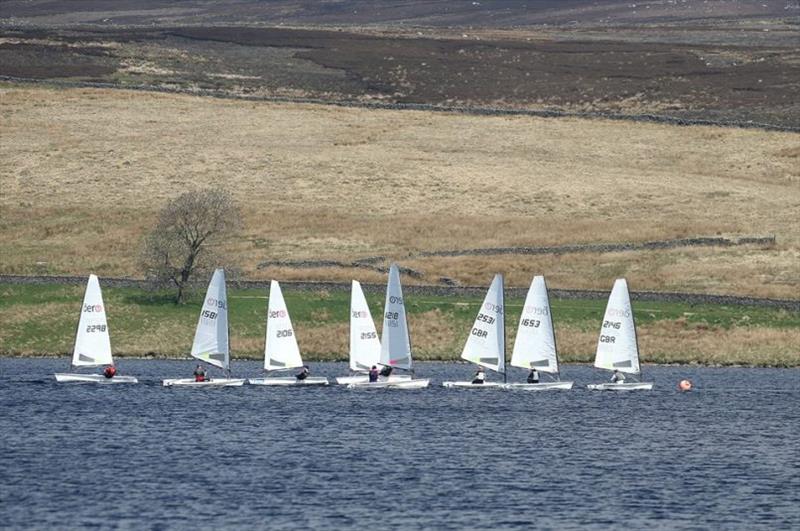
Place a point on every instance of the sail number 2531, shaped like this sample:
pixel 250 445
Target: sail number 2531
pixel 485 318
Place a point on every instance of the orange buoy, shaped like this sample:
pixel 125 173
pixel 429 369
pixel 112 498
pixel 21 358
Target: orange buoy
pixel 685 385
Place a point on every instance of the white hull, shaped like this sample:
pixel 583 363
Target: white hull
pixel 470 385
pixel 542 386
pixel 363 378
pixel 409 383
pixel 93 378
pixel 288 382
pixel 632 386
pixel 215 382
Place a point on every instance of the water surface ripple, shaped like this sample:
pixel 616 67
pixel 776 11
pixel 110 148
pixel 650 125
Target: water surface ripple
pixel 722 456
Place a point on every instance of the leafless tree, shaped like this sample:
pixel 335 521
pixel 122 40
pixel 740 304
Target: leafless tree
pixel 185 242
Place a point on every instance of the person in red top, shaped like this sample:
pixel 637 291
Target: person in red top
pixel 199 374
pixel 110 371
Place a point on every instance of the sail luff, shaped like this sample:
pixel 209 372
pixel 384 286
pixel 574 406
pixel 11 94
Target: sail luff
pixel 502 368
pixel 557 368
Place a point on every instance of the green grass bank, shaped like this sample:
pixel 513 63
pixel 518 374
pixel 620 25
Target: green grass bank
pixel 40 320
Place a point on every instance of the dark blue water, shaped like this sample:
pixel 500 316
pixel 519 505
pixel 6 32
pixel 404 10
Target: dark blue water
pixel 725 455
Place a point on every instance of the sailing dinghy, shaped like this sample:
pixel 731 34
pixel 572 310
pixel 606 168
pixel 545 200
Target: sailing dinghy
pixel 486 344
pixel 365 347
pixel 92 342
pixel 535 344
pixel 211 343
pixel 281 352
pixel 617 348
pixel 395 343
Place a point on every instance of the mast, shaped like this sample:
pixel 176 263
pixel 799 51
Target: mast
pixel 72 366
pixel 408 333
pixel 228 370
pixel 503 304
pixel 635 336
pixel 553 328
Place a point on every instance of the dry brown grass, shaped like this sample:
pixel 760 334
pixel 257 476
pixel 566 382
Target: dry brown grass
pixel 83 173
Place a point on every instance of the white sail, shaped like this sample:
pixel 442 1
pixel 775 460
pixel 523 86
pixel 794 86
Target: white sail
pixel 535 345
pixel 211 337
pixel 617 347
pixel 365 347
pixel 395 343
pixel 486 344
pixel 92 342
pixel 280 348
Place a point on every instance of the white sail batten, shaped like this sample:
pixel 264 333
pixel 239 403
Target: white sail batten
pixel 395 343
pixel 535 344
pixel 617 348
pixel 485 345
pixel 211 337
pixel 280 348
pixel 92 342
pixel 365 347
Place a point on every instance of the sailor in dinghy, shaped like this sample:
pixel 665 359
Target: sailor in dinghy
pixel 92 342
pixel 486 343
pixel 535 344
pixel 365 347
pixel 617 348
pixel 281 352
pixel 211 338
pixel 395 343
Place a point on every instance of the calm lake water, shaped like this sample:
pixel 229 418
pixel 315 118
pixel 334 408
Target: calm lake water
pixel 725 455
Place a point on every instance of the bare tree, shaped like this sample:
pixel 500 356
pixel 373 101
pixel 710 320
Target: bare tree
pixel 185 241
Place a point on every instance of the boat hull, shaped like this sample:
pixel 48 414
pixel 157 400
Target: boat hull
pixel 94 378
pixel 632 386
pixel 288 382
pixel 215 382
pixel 363 378
pixel 542 386
pixel 470 385
pixel 410 383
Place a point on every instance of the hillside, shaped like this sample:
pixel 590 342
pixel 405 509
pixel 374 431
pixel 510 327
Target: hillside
pixel 321 182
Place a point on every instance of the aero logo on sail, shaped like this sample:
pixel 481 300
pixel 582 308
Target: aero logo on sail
pixel 215 303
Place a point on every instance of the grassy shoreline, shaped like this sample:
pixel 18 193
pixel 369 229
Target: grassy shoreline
pixel 39 321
